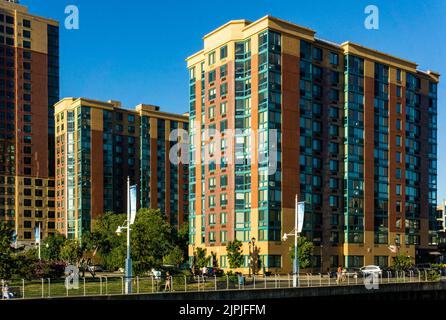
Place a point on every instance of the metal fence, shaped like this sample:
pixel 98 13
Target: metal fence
pixel 99 286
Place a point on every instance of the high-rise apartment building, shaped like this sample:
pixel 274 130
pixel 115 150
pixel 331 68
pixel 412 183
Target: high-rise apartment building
pixel 356 140
pixel 100 144
pixel 29 87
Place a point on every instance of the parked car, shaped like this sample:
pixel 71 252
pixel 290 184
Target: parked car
pixel 369 270
pixel 96 268
pixel 353 273
pixel 214 272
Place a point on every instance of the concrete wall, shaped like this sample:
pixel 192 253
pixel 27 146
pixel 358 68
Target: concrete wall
pixel 412 291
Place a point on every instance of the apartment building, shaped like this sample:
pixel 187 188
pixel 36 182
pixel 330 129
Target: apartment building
pixel 29 87
pixel 98 145
pixel 356 141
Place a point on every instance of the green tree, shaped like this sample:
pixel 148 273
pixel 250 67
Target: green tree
pixel 304 252
pixel 183 238
pixel 201 258
pixel 71 252
pixel 51 247
pixel 152 239
pixel 6 251
pixel 235 254
pixel 107 244
pixel 175 257
pixel 402 262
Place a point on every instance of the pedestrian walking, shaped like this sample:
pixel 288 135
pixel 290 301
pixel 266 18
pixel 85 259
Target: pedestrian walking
pixel 339 275
pixel 6 295
pixel 168 285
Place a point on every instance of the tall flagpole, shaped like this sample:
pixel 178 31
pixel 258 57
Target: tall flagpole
pixel 128 262
pixel 40 240
pixel 296 258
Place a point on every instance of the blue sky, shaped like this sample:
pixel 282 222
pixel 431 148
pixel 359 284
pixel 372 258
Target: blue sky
pixel 134 51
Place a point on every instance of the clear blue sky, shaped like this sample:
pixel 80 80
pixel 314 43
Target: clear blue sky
pixel 134 51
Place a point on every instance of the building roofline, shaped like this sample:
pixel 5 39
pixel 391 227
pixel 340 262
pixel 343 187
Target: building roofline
pixel 240 21
pixel 380 53
pixel 147 109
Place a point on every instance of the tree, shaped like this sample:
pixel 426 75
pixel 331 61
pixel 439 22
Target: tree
pixel 6 251
pixel 152 239
pixel 235 254
pixel 51 247
pixel 175 257
pixel 183 238
pixel 201 258
pixel 304 252
pixel 71 252
pixel 107 244
pixel 402 262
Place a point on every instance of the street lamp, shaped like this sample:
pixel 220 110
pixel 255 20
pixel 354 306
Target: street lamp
pixel 322 258
pixel 295 233
pixel 119 231
pixel 251 252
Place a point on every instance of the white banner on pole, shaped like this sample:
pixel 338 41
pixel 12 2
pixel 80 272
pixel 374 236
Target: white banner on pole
pixel 133 197
pixel 300 216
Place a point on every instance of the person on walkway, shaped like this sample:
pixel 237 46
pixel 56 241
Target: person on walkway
pixel 339 275
pixel 168 285
pixel 5 292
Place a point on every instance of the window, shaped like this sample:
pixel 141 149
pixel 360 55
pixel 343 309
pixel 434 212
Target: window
pixel 212 236
pixel 223 218
pixel 398 91
pixel 398 74
pixel 223 199
pixel 212 94
pixel 223 181
pixel 398 190
pixel 212 166
pixel 317 54
pixel 212 219
pixel 211 200
pixel 334 165
pixel 224 52
pixel 334 58
pixel 223 239
pixel 192 73
pixel 223 71
pixel 212 183
pixel 211 76
pixel 223 108
pixel 211 58
pixel 223 89
pixel 223 126
pixel 398 173
pixel 211 112
pixel 398 157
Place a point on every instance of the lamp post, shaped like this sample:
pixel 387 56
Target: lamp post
pixel 251 244
pixel 322 258
pixel 128 260
pixel 295 234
